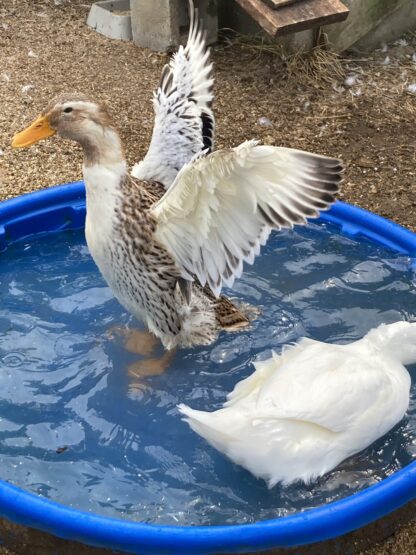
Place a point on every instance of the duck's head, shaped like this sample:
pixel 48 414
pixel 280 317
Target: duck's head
pixel 74 117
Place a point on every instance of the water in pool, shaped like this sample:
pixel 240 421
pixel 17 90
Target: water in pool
pixel 80 426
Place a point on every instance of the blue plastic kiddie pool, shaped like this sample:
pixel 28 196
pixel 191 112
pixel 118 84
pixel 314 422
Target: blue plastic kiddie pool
pixel 63 208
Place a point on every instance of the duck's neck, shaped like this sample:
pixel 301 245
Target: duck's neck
pixel 104 165
pixel 104 169
pixel 102 148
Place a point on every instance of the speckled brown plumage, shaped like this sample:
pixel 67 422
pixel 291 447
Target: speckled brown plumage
pixel 228 316
pixel 145 275
pixel 137 249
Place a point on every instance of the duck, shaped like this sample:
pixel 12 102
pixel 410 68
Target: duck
pixel 168 239
pixel 304 411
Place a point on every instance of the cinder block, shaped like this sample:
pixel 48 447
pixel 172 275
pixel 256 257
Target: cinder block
pixel 163 24
pixel 111 18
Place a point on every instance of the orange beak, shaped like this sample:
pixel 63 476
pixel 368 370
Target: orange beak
pixel 39 129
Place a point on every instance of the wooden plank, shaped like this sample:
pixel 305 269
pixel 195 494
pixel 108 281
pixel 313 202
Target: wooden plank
pixel 365 15
pixel 275 4
pixel 302 15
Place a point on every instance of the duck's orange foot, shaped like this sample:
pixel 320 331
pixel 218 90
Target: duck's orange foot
pixel 139 342
pixel 151 366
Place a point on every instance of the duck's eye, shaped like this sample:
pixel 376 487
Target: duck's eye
pixel 68 110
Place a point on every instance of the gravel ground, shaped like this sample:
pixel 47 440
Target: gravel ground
pixel 361 108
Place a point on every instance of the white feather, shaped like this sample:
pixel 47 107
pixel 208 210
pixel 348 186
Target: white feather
pixel 222 207
pixel 302 413
pixel 182 100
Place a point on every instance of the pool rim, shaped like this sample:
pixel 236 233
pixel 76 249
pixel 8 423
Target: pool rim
pixel 65 207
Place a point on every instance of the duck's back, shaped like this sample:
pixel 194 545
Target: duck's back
pixel 339 387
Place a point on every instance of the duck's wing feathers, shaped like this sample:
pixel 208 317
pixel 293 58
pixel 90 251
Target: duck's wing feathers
pixel 222 206
pixel 252 384
pixel 184 120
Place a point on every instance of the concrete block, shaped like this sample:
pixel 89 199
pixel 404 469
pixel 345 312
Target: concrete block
pixel 163 24
pixel 111 18
pixel 155 24
pixel 366 16
pixel 391 28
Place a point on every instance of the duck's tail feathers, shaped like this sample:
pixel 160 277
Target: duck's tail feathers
pixel 203 423
pixel 229 316
pixel 398 340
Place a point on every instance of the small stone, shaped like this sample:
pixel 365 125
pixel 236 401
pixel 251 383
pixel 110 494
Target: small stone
pixel 27 88
pixel 412 88
pixel 32 54
pixel 401 42
pixel 364 163
pixel 264 122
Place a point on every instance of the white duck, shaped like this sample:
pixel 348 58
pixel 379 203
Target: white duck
pixel 303 412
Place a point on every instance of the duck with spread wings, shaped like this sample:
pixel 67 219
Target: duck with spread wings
pixel 168 240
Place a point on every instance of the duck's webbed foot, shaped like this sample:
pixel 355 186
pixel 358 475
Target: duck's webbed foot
pixel 151 366
pixel 139 342
pixel 146 345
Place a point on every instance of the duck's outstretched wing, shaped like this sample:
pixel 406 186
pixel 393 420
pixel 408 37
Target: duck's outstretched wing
pixel 184 120
pixel 222 206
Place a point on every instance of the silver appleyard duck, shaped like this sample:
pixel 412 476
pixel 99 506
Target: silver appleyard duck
pixel 168 241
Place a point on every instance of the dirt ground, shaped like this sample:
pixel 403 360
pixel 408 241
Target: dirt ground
pixel 361 108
